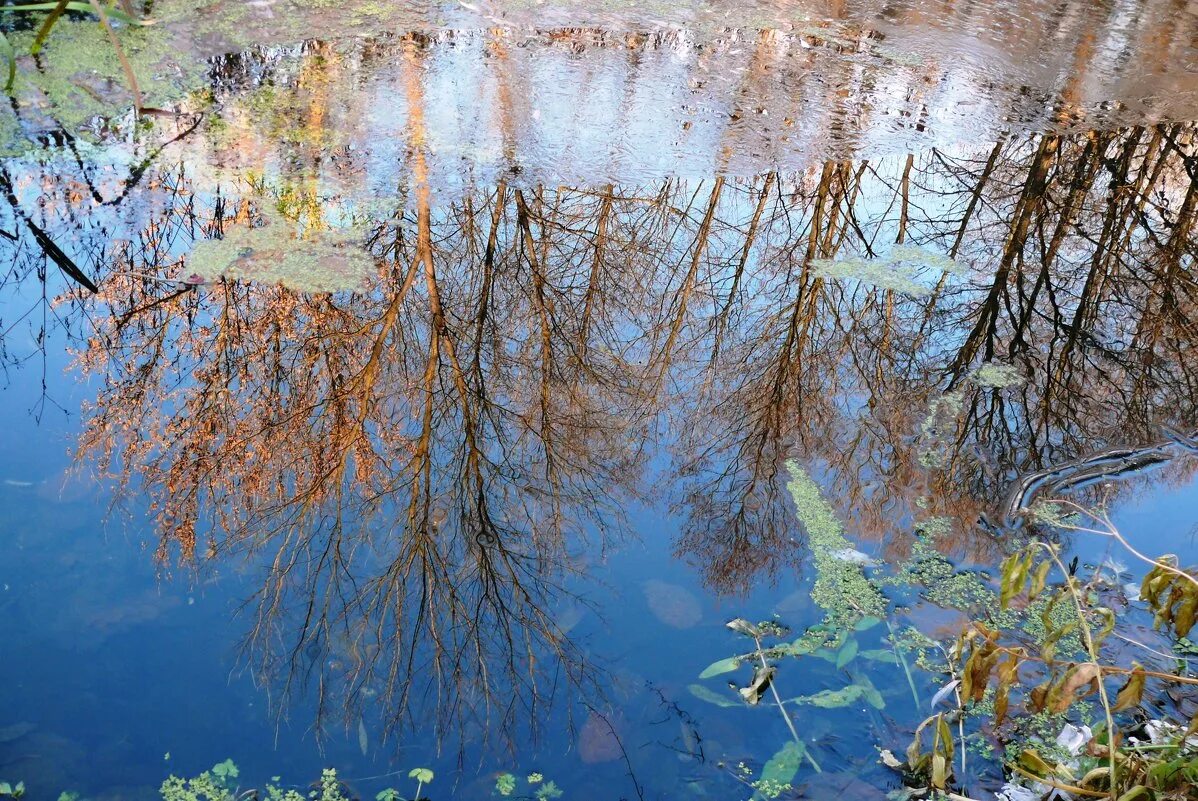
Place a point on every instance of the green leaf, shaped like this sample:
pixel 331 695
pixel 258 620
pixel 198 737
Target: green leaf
pixel 422 775
pixel 831 699
pixel 1134 793
pixel 870 693
pixel 704 694
pixel 847 653
pixel 719 667
pixel 879 655
pixel 5 788
pixel 866 623
pixel 782 766
pixel 10 56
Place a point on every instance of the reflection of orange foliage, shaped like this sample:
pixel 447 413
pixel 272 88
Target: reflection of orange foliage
pixel 449 430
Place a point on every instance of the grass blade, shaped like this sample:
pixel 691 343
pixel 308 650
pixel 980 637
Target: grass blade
pixel 9 55
pixel 120 54
pixel 44 30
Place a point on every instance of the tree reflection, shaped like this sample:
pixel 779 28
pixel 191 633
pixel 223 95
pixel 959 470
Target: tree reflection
pixel 416 465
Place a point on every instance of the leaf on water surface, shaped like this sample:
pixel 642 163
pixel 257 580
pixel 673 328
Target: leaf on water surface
pixel 422 775
pixel 847 653
pixel 870 693
pixel 867 623
pixel 720 667
pixel 762 676
pixel 363 740
pixel 710 696
pixel 781 768
pixel 826 654
pixel 742 626
pixel 832 699
pixel 672 605
pixel 879 655
pixel 226 772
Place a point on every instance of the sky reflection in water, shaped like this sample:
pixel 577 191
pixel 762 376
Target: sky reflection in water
pixel 514 479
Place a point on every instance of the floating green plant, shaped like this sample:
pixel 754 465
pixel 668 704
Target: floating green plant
pixel 535 786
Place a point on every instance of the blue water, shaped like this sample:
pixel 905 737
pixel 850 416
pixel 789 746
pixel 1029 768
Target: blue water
pixel 661 380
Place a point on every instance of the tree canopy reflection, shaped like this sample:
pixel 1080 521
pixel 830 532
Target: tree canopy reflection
pixel 422 465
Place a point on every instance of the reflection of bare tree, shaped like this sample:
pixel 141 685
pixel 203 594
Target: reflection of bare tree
pixel 412 464
pixel 1076 245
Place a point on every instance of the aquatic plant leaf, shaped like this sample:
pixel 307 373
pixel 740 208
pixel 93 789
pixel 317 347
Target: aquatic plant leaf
pixel 1082 677
pixel 10 58
pixel 15 731
pixel 422 775
pixel 832 699
pixel 363 740
pixel 866 623
pixel 762 676
pixel 505 784
pixel 1131 693
pixel 847 653
pixel 742 626
pixel 879 655
pixel 548 790
pixel 1033 762
pixel 1172 594
pixel 779 771
pixel 710 696
pixel 870 694
pixel 1008 675
pixel 720 667
pixel 1108 624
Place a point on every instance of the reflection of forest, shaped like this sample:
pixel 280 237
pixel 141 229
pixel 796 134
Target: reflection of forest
pixel 588 105
pixel 414 462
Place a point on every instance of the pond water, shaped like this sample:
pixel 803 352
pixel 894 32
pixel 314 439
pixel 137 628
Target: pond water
pixel 421 385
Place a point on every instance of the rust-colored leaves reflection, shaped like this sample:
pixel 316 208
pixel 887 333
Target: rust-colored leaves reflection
pixel 418 468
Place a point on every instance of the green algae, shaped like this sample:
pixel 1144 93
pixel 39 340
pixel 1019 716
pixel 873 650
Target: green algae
pixel 273 253
pixel 841 587
pixel 943 414
pixel 902 270
pixel 998 376
pixel 78 80
pixel 942 583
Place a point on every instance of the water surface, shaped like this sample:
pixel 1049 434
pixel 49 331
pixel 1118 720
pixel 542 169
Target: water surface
pixel 447 366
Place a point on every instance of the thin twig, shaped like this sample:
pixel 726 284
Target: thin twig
pixel 120 54
pixel 782 710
